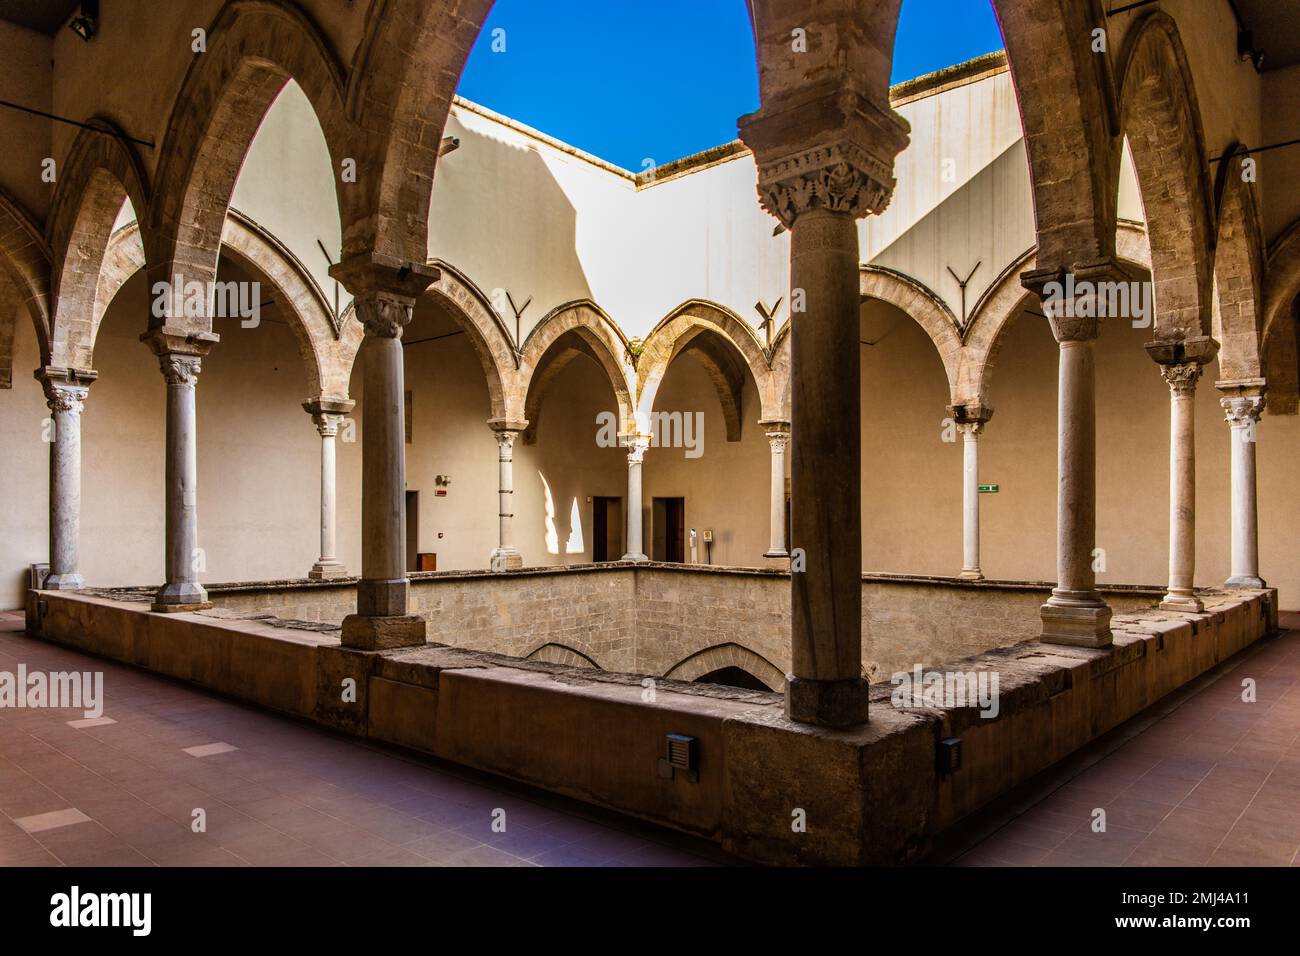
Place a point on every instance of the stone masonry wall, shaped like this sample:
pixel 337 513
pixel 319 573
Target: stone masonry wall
pixel 681 620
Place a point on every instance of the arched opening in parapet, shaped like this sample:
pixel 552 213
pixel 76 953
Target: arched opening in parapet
pixel 732 677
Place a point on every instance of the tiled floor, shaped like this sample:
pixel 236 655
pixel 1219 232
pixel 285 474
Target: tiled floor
pixel 1216 782
pixel 272 791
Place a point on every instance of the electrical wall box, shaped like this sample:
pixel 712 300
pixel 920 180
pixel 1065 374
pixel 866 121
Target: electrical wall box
pixel 681 753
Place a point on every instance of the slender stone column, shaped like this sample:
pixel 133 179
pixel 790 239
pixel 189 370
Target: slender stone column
pixel 1243 404
pixel 180 359
pixel 970 422
pixel 328 415
pixel 1180 363
pixel 825 156
pixel 636 447
pixel 778 437
pixel 384 295
pixel 65 393
pixel 1075 614
pixel 506 555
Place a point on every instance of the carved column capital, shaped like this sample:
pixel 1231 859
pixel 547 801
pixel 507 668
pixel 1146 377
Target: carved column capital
pixel 1181 378
pixel 384 315
pixel 778 440
pixel 636 447
pixel 328 414
pixel 65 388
pixel 505 442
pixel 974 414
pixel 1181 360
pixel 180 371
pixel 1075 297
pixel 384 290
pixel 825 147
pixel 1242 411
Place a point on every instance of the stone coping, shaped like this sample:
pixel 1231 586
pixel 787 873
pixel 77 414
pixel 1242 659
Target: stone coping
pixel 144 593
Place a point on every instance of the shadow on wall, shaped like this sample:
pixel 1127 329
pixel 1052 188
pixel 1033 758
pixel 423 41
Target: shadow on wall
pixel 531 254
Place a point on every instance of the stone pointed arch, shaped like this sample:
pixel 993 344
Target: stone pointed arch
pixel 725 345
pixel 924 307
pixel 554 653
pixel 1005 299
pixel 473 311
pixel 25 265
pixel 727 655
pixel 99 175
pixel 1238 271
pixel 255 48
pixel 1161 118
pixel 993 312
pixel 327 353
pixel 1070 115
pixel 1281 354
pixel 407 69
pixel 327 350
pixel 576 328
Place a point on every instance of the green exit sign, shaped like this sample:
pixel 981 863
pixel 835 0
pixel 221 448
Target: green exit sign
pixel 988 489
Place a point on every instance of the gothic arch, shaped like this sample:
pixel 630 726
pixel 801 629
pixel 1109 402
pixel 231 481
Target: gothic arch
pixel 100 173
pixel 407 68
pixel 727 655
pixel 327 355
pixel 1281 358
pixel 725 345
pixel 25 264
pixel 1070 115
pixel 573 329
pixel 554 653
pixel 1160 116
pixel 1003 301
pixel 488 334
pixel 255 48
pixel 1238 271
pixel 924 307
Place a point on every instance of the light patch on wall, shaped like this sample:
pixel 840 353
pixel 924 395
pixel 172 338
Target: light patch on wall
pixel 552 536
pixel 575 545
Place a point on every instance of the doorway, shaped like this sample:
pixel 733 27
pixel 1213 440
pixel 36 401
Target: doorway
pixel 606 528
pixel 668 516
pixel 412 530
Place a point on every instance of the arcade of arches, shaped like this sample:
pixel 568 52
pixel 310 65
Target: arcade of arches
pixel 583 426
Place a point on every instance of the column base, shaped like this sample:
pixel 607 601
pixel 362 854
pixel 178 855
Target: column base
pixel 506 559
pixel 327 569
pixel 1182 601
pixel 777 553
pixel 827 703
pixel 971 574
pixel 64 582
pixel 367 633
pixel 180 596
pixel 1079 621
pixel 1244 581
pixel 634 557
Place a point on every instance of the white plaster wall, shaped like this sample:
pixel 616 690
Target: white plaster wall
pixel 24 469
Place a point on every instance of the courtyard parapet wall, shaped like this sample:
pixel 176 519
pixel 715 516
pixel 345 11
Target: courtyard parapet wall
pixel 654 618
pixel 874 794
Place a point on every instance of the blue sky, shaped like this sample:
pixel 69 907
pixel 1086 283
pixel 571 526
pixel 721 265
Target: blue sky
pixel 634 82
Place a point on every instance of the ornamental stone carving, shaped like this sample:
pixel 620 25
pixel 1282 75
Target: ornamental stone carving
pixel 1182 378
pixel 1242 411
pixel 180 371
pixel 384 314
pixel 837 177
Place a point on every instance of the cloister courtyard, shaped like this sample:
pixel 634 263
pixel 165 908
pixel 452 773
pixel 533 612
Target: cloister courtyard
pixel 905 476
